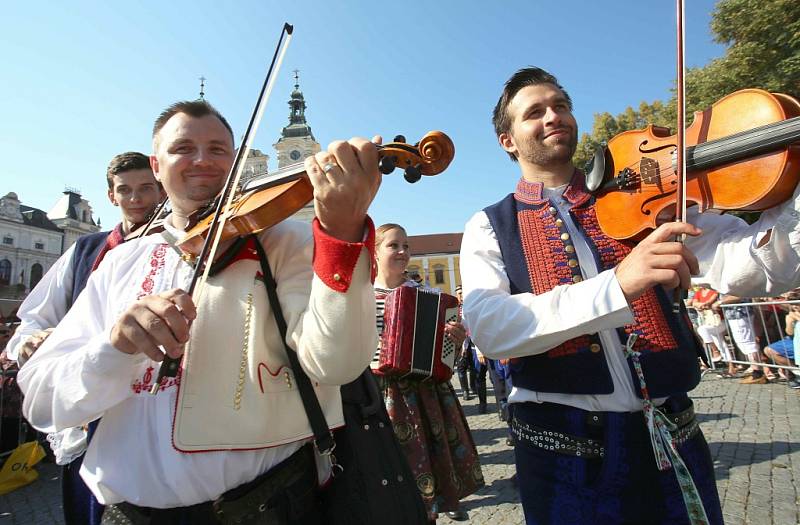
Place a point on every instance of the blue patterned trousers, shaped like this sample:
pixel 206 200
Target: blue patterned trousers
pixel 622 487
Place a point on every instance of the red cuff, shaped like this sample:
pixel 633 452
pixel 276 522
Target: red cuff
pixel 335 260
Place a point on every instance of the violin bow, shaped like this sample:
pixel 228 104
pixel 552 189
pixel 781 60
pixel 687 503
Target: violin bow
pixel 169 367
pixel 680 161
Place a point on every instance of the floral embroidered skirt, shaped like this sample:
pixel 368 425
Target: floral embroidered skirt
pixel 431 427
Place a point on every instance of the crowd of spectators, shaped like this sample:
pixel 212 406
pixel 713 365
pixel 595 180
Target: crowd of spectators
pixel 744 339
pixel 13 428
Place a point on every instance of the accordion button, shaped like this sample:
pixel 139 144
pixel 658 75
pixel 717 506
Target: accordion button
pixel 384 482
pixel 569 248
pixel 337 277
pixel 594 347
pixel 577 279
pixel 572 263
pixel 564 236
pixel 552 210
pixel 559 223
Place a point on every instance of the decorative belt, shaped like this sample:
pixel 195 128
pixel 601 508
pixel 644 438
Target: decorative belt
pixel 684 433
pixel 556 441
pixel 686 427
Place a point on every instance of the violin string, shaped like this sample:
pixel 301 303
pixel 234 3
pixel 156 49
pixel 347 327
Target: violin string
pixel 772 132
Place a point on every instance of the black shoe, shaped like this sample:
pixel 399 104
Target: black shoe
pixel 466 395
pixel 509 441
pixel 482 408
pixel 793 383
pixel 458 515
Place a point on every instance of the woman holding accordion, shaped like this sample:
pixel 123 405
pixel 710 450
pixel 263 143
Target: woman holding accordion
pixel 426 415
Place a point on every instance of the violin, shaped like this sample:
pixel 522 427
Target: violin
pixel 269 200
pixel 742 153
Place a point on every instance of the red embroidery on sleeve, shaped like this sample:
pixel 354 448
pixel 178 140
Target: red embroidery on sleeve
pixel 144 384
pixel 156 264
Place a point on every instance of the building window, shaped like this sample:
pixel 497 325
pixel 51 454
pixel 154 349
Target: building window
pixel 7 239
pixel 38 245
pixel 36 274
pixel 438 274
pixel 5 271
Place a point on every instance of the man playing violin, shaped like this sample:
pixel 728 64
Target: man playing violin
pixel 229 432
pixel 586 319
pixel 132 187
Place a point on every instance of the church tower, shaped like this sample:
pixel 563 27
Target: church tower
pixel 297 141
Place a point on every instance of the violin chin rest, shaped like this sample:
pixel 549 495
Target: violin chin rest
pixel 595 170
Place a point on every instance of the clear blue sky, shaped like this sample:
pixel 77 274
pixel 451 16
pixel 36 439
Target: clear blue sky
pixel 83 81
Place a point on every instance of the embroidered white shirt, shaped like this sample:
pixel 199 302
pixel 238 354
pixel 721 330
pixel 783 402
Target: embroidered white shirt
pixel 78 376
pixel 46 305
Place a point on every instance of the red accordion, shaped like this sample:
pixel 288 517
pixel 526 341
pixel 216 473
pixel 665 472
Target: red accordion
pixel 413 342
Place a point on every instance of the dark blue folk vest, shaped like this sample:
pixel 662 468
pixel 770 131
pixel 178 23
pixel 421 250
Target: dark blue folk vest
pixel 87 248
pixel 539 255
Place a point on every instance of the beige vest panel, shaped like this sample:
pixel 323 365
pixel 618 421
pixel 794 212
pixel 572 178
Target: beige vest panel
pixel 237 390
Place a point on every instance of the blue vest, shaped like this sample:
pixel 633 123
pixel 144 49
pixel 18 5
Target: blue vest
pixel 87 248
pixel 578 366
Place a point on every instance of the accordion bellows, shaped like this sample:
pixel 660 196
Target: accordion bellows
pixel 413 343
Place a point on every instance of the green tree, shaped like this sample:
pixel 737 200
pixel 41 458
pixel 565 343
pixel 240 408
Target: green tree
pixel 763 51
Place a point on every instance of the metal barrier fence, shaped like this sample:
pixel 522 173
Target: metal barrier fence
pixel 754 313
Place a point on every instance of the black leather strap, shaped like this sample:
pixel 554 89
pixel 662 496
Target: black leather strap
pixel 323 438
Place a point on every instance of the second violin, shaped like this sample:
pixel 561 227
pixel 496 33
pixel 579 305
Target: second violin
pixel 742 154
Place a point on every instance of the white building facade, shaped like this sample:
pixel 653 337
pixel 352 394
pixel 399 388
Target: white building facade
pixel 29 243
pixel 73 214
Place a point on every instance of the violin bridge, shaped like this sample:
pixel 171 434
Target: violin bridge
pixel 649 170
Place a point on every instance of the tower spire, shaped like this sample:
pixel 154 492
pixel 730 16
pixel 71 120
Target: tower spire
pixel 202 87
pixel 296 141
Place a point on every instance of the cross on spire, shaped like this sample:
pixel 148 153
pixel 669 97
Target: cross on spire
pixel 202 86
pixel 296 79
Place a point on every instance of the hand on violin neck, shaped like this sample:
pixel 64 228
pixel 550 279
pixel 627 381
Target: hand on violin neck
pixel 658 260
pixel 345 179
pixel 154 322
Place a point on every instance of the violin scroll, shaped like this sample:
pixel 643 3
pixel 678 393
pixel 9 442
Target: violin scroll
pixel 430 156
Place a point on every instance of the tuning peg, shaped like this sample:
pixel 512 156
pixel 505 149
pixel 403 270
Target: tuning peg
pixel 412 174
pixel 399 138
pixel 387 164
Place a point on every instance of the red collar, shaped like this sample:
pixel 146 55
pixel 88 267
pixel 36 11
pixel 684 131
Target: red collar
pixel 531 192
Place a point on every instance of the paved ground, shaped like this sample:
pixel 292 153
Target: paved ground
pixel 750 431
